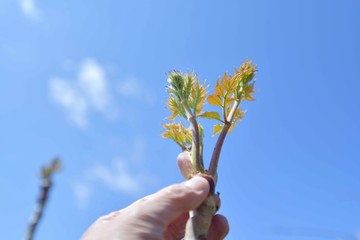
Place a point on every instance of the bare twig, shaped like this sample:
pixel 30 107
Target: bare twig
pixel 46 184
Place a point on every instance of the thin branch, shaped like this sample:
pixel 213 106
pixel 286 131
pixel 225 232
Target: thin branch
pixel 219 143
pixel 46 184
pixel 39 208
pixel 217 149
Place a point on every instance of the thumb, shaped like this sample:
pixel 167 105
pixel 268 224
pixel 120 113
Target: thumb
pixel 172 201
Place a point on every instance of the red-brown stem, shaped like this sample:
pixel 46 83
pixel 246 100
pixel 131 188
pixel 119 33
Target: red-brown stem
pixel 217 149
pixel 219 143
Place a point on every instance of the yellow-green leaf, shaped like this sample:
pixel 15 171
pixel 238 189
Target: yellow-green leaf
pixel 197 97
pixel 211 115
pixel 249 98
pixel 218 89
pixel 175 108
pixel 232 127
pixel 238 116
pixel 217 128
pixel 214 100
pixel 229 101
pixel 178 133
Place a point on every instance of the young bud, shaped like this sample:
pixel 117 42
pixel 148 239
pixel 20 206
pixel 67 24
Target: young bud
pixel 185 165
pixel 176 80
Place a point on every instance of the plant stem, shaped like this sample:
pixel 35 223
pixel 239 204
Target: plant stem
pixel 199 221
pixel 217 149
pixel 219 143
pixel 45 187
pixel 46 184
pixel 195 149
pixel 230 117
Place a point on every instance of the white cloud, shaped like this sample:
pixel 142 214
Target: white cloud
pixel 117 177
pixel 132 88
pixel 127 177
pixel 93 83
pixel 29 8
pixel 69 97
pixel 88 92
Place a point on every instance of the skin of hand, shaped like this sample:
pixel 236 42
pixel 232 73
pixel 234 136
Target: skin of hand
pixel 162 215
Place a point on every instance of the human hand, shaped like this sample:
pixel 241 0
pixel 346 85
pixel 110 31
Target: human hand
pixel 162 215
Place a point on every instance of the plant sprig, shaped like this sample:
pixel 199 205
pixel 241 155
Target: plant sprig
pixel 229 93
pixel 187 98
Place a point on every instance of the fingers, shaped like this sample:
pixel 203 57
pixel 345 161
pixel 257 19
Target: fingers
pixel 176 229
pixel 176 199
pixel 219 228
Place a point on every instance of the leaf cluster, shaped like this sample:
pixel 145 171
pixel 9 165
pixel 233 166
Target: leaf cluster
pixel 186 99
pixel 228 93
pixel 186 95
pixel 179 134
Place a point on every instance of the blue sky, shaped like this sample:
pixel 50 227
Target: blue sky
pixel 86 82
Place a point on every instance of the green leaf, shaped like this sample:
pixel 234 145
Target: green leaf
pixel 217 128
pixel 197 97
pixel 189 80
pixel 244 85
pixel 176 81
pixel 211 115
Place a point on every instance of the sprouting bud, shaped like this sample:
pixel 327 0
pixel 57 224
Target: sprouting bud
pixel 185 165
pixel 176 80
